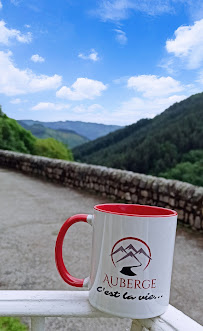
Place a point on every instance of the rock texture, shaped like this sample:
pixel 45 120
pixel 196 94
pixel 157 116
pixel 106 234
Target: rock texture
pixel 119 185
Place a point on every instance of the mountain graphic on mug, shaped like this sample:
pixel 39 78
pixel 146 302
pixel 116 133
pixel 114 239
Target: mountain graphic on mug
pixel 130 257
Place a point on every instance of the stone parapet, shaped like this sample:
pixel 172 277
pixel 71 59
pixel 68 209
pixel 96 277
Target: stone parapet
pixel 119 185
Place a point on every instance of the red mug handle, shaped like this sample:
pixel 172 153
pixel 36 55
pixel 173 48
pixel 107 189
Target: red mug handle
pixel 59 248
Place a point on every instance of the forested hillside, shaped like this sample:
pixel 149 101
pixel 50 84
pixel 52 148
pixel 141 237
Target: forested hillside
pixel 67 137
pixel 14 137
pixel 154 146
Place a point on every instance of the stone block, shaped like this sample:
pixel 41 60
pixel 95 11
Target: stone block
pixel 197 195
pixel 188 206
pixel 120 194
pixel 180 214
pixel 127 196
pixel 164 198
pixel 101 188
pixel 155 196
pixel 132 189
pixel 197 223
pixel 144 193
pixel 115 192
pixel 134 198
pixel 181 203
pixel 150 180
pixel 172 202
pixel 155 185
pixel 136 180
pixel 186 217
pixel 191 219
pixel 163 186
pixel 96 187
pixel 58 171
pixel 143 182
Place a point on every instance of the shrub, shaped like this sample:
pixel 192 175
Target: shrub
pixel 52 148
pixel 11 324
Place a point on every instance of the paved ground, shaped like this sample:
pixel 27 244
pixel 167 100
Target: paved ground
pixel 31 214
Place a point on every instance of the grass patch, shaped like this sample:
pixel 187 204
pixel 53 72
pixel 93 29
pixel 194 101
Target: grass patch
pixel 11 324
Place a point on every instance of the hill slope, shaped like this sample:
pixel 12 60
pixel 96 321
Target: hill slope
pixel 88 130
pixel 68 137
pixel 150 146
pixel 14 137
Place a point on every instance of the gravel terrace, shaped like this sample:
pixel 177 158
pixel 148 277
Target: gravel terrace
pixel 32 212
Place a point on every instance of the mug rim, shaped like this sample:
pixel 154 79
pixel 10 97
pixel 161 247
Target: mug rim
pixel 135 210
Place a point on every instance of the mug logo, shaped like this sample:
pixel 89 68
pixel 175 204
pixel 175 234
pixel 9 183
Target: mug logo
pixel 129 253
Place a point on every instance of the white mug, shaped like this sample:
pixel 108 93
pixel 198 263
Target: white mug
pixel 132 257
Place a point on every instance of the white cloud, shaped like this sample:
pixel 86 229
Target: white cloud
pixel 188 44
pixel 14 81
pixel 152 107
pixel 27 26
pixel 50 106
pixel 81 112
pixel 94 113
pixel 154 86
pixel 83 88
pixel 82 109
pixel 157 94
pixel 137 108
pixel 200 77
pixel 7 34
pixel 37 58
pixel 1 6
pixel 116 10
pixel 194 8
pixel 95 107
pixel 121 36
pixel 16 101
pixel 168 64
pixel 129 112
pixel 93 55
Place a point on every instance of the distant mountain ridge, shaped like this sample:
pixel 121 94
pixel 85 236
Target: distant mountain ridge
pixel 89 130
pixel 154 146
pixel 68 137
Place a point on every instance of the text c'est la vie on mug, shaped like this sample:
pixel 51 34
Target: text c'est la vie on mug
pixel 132 257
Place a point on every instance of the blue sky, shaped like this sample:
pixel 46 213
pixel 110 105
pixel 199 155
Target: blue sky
pixel 106 61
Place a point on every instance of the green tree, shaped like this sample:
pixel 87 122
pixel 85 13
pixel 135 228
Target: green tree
pixel 13 137
pixel 186 172
pixel 52 148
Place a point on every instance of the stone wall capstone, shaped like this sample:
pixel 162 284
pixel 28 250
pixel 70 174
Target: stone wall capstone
pixel 119 185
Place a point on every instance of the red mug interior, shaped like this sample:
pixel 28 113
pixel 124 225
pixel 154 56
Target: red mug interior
pixel 135 210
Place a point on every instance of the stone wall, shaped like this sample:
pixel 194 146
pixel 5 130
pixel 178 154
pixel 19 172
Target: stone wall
pixel 120 185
